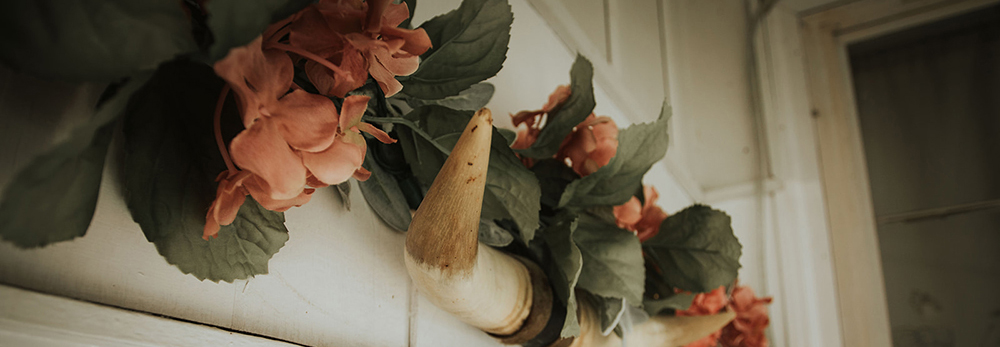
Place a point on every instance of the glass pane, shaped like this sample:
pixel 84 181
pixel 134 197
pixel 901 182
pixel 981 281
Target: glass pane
pixel 929 109
pixel 942 280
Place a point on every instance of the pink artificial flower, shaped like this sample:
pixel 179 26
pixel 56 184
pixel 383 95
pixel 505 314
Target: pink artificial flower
pixel 278 123
pixel 228 199
pixel 343 158
pixel 747 330
pixel 705 304
pixel 643 219
pixel 591 145
pixel 534 119
pixel 356 38
pixel 291 135
pixel 231 193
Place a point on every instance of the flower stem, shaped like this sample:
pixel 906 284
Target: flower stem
pixel 308 55
pixel 218 131
pixel 410 124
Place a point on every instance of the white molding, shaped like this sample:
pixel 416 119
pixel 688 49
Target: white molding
pixel 33 319
pixel 798 266
pixel 741 190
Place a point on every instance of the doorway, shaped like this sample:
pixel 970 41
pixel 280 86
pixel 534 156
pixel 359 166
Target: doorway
pixel 928 106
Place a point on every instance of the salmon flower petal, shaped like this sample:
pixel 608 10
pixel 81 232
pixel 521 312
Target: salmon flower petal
pixel 262 150
pixel 258 77
pixel 747 330
pixel 339 162
pixel 629 213
pixel 229 196
pixel 307 121
pixel 358 38
pixel 259 189
pixel 591 145
pixel 706 304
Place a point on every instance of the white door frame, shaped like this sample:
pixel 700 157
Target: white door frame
pixel 864 317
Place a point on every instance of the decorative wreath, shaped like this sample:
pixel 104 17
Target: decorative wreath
pixel 232 112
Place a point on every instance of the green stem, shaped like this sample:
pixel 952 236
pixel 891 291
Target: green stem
pixel 410 124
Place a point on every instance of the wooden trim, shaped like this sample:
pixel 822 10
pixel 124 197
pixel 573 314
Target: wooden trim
pixel 853 236
pixel 29 318
pixel 797 261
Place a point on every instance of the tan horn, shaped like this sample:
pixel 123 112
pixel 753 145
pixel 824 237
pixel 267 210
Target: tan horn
pixel 478 284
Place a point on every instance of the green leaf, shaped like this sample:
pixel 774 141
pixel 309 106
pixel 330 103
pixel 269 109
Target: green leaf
pixel 411 5
pixel 472 99
pixel 92 40
pixel 612 260
pixel 695 250
pixel 512 192
pixel 169 171
pixel 639 147
pixel 565 267
pixel 53 198
pixel 679 301
pixel 344 191
pixel 469 46
pixel 561 121
pixel 492 234
pixel 553 176
pixel 235 23
pixel 610 310
pixel 383 194
pixel 240 251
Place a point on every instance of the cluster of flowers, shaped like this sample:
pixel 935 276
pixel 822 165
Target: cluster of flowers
pixel 747 330
pixel 296 141
pixel 591 145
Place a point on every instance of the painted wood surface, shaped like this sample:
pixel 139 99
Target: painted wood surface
pixel 29 319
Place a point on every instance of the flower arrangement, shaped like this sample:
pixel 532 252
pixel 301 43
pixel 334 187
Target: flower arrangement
pixel 233 113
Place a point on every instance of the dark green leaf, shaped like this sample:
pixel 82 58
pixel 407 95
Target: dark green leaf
pixel 610 310
pixel 53 198
pixel 612 260
pixel 411 5
pixel 553 176
pixel 512 192
pixel 92 40
pixel 383 194
pixel 469 46
pixel 344 191
pixel 639 147
pixel 560 122
pixel 508 135
pixel 679 301
pixel 695 250
pixel 472 99
pixel 235 23
pixel 492 234
pixel 170 165
pixel 240 251
pixel 565 268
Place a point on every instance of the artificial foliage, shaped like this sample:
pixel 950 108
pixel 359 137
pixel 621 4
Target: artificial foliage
pixel 231 112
